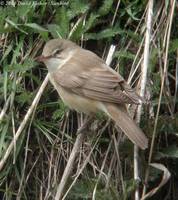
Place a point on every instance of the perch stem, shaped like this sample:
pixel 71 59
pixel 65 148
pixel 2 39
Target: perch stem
pixel 70 163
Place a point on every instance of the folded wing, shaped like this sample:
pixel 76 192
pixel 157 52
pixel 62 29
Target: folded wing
pixel 98 82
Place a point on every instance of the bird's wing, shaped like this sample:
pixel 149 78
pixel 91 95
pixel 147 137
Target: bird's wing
pixel 87 75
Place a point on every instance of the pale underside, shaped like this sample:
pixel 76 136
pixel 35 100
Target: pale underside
pixel 86 88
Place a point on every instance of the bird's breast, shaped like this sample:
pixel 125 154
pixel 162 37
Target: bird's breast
pixel 77 102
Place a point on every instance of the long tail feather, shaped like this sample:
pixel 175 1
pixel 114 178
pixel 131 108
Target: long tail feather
pixel 127 125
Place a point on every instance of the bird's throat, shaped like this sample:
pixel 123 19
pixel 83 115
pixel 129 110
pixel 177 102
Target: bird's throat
pixel 54 64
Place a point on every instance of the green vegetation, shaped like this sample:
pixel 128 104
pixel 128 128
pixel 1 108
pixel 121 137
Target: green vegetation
pixel 35 165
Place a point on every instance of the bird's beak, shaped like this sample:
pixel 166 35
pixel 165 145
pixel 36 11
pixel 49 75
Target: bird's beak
pixel 41 58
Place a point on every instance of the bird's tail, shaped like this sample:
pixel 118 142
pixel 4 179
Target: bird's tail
pixel 127 125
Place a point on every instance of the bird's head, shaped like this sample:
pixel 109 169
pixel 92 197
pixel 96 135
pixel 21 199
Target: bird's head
pixel 55 52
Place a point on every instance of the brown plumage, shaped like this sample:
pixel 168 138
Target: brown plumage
pixel 98 82
pixel 85 83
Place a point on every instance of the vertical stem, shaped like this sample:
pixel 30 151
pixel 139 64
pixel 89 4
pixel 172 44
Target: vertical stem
pixel 70 164
pixel 143 86
pixel 68 169
pixel 136 171
pixel 161 91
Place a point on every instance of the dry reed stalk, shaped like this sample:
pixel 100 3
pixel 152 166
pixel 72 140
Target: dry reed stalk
pixel 167 41
pixel 145 64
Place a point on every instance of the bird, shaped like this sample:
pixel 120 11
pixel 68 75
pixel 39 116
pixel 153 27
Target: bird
pixel 87 84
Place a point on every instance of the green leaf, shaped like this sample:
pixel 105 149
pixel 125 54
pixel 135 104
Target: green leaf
pixel 105 8
pixel 77 7
pixel 24 97
pixel 59 113
pixel 17 49
pixel 107 33
pixel 16 26
pixel 35 26
pixel 23 10
pixel 124 54
pixel 62 21
pixel 91 21
pixel 39 29
pixel 2 20
pixel 132 14
pixel 173 45
pixel 136 37
pixel 55 30
pixel 16 67
pixel 45 131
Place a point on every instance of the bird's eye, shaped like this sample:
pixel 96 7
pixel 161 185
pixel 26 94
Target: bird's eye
pixel 57 51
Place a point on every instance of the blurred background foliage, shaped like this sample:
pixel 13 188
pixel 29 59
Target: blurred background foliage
pixel 39 157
